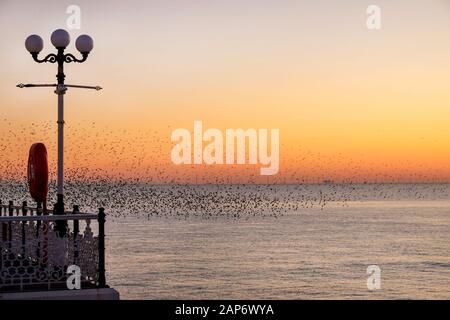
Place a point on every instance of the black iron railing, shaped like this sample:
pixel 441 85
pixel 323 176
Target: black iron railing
pixel 36 253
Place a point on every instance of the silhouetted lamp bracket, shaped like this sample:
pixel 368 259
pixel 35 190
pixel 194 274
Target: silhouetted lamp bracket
pixel 60 39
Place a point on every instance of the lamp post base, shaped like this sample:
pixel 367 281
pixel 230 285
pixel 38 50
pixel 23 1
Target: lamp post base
pixel 59 204
pixel 60 226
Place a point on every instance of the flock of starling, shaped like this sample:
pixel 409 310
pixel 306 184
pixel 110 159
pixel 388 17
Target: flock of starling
pixel 128 174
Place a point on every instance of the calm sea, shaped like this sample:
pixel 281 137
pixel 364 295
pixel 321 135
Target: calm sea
pixel 309 250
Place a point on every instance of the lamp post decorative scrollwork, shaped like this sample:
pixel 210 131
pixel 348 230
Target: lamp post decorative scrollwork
pixel 60 39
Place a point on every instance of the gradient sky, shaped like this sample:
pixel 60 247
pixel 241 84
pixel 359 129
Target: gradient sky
pixel 351 104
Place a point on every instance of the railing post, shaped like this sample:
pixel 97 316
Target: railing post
pixel 24 208
pixel 76 223
pixel 24 213
pixel 11 213
pixel 101 248
pixel 10 208
pixel 4 225
pixel 76 231
pixel 38 225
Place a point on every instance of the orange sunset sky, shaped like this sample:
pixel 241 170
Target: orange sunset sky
pixel 351 104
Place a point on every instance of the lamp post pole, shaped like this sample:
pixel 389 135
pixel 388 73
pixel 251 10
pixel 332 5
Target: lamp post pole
pixel 60 91
pixel 60 39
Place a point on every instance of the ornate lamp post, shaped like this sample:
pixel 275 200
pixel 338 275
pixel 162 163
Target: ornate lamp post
pixel 60 39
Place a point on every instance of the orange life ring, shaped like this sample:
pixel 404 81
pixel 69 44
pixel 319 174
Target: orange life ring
pixel 38 172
